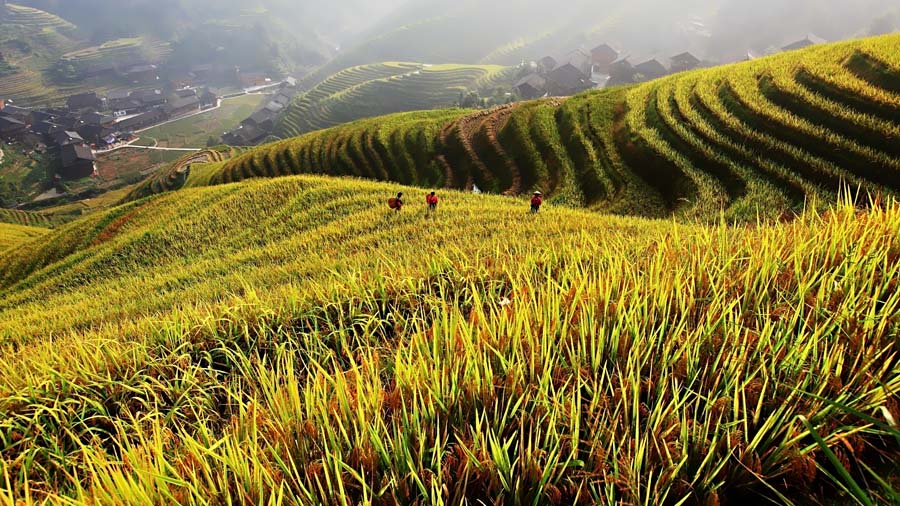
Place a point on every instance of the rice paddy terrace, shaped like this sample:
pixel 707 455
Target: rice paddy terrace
pixel 117 52
pixel 291 340
pixel 35 44
pixel 31 41
pixel 379 89
pixel 761 137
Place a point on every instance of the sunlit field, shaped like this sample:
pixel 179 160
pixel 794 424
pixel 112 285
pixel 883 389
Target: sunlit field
pixel 293 341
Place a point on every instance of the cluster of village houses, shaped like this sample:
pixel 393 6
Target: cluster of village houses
pixel 604 66
pixel 89 122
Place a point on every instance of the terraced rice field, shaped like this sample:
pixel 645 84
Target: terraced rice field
pixel 27 218
pixel 31 40
pixel 761 138
pixel 119 52
pixel 12 235
pixel 292 341
pixel 375 90
pixel 174 175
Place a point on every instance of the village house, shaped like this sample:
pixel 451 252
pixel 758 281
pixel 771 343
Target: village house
pixel 143 120
pixel 118 100
pixel 579 59
pixel 77 162
pixel 185 93
pixel 83 101
pixel 567 80
pixel 547 64
pixel 141 74
pixel 182 106
pixel 208 98
pixel 684 62
pixel 11 128
pixel 149 97
pixel 531 86
pixel 602 57
pixel 98 119
pixel 621 72
pixel 19 113
pixel 809 40
pixel 64 138
pixel 649 70
pixel 261 119
pixel 47 129
pixel 245 135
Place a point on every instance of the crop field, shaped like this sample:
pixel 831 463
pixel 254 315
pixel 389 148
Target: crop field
pixel 375 90
pixel 760 139
pixel 33 42
pixel 195 131
pixel 119 51
pixel 292 341
pixel 13 235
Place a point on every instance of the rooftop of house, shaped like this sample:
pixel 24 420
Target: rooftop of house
pixel 568 76
pixel 74 153
pixel 807 41
pixel 534 80
pixel 685 57
pixel 182 103
pixel 7 121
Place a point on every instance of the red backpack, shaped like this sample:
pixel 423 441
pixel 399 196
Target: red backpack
pixel 394 203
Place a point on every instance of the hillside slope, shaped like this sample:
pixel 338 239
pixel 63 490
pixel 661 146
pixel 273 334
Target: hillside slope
pixel 12 235
pixel 756 138
pixel 31 41
pixel 379 89
pixel 293 340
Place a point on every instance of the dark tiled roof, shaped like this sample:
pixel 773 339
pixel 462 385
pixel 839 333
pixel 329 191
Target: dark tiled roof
pixel 74 153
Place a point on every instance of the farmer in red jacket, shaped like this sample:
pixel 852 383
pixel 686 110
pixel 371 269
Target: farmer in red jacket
pixel 536 202
pixel 396 203
pixel 432 200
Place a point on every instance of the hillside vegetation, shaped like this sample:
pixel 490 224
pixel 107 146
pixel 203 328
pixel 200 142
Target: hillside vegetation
pixel 293 341
pixel 760 138
pixel 12 235
pixel 379 89
pixel 31 41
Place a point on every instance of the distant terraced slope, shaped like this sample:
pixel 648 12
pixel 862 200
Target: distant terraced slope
pixel 31 40
pixel 28 218
pixel 379 89
pixel 118 51
pixel 762 137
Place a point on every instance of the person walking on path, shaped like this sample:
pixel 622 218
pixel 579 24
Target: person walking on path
pixel 536 202
pixel 432 200
pixel 396 203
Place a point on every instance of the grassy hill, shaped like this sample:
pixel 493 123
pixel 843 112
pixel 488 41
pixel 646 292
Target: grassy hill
pixel 293 340
pixel 759 138
pixel 379 89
